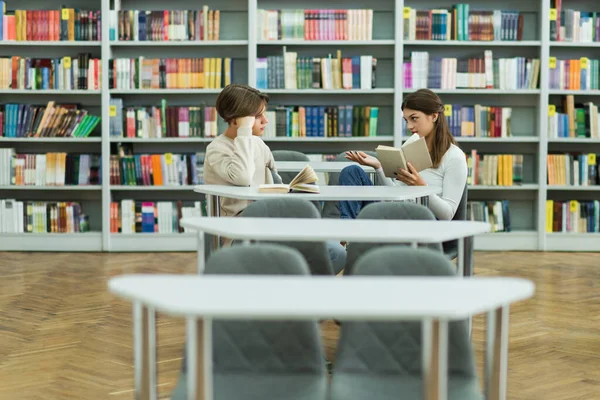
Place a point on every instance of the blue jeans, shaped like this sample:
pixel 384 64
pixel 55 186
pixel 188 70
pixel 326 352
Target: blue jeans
pixel 353 175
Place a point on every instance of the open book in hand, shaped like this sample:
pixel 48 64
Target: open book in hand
pixel 413 151
pixel 304 182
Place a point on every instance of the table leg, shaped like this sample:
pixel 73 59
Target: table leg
pixel 201 252
pixel 460 259
pixel 414 245
pixel 144 352
pixel 213 207
pixel 199 360
pixel 497 354
pixel 435 359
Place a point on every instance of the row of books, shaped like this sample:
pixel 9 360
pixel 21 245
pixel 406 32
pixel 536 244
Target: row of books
pixel 568 25
pixel 49 169
pixel 478 120
pixel 460 23
pixel 164 121
pixel 494 169
pixel 170 73
pixel 572 169
pixel 66 24
pixel 495 213
pixel 573 216
pixel 42 217
pixel 129 216
pixel 81 73
pixel 474 73
pixel 165 25
pixel 292 72
pixel 577 74
pixel 573 119
pixel 51 120
pixel 323 24
pixel 153 169
pixel 322 121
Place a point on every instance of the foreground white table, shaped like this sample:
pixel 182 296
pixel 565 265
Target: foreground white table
pixel 319 166
pixel 433 300
pixel 350 230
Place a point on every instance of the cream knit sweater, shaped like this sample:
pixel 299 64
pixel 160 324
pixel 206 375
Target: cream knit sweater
pixel 243 161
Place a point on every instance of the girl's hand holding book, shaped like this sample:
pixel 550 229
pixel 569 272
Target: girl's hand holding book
pixel 410 177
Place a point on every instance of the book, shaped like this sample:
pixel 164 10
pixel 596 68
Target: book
pixel 414 151
pixel 304 182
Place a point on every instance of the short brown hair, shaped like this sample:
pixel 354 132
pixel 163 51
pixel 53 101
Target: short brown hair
pixel 238 100
pixel 429 103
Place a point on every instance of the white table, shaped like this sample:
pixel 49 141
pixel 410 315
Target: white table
pixel 328 193
pixel 350 230
pixel 433 300
pixel 319 166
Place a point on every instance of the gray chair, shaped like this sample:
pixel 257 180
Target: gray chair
pixel 331 208
pixel 289 155
pixel 394 210
pixel 258 360
pixel 451 247
pixel 315 253
pixel 383 360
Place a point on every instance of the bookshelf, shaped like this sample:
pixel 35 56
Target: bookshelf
pixel 240 40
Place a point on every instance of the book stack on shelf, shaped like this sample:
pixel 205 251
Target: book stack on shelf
pixel 496 213
pixel 323 24
pixel 460 23
pixel 494 170
pixel 575 26
pixel 129 216
pixel 42 217
pixel 66 24
pixel 322 121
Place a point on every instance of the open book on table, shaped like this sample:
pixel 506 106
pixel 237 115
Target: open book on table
pixel 413 151
pixel 304 182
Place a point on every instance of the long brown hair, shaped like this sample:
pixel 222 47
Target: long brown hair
pixel 429 103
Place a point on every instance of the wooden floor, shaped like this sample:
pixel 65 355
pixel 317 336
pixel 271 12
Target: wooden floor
pixel 63 336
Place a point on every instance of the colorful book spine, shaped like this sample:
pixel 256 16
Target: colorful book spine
pixel 130 216
pixel 42 217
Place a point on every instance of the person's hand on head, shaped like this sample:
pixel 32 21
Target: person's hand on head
pixel 411 176
pixel 245 122
pixel 363 159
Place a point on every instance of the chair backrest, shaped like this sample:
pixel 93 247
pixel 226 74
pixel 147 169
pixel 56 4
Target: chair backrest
pixel 315 253
pixel 264 346
pixel 331 208
pixel 394 210
pixel 395 347
pixel 289 155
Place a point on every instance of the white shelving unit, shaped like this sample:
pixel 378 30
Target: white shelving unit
pixel 240 41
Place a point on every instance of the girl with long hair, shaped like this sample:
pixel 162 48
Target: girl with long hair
pixel 423 111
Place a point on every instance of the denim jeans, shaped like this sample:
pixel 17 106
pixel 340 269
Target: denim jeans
pixel 353 175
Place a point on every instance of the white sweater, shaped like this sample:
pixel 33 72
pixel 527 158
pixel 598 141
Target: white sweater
pixel 450 176
pixel 243 161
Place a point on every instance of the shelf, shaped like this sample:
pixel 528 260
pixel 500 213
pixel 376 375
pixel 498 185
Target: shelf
pixel 507 241
pixel 511 139
pixel 480 91
pixel 574 140
pixel 569 188
pixel 574 44
pixel 574 92
pixel 309 139
pixel 162 140
pixel 48 43
pixel 82 188
pixel 89 241
pixel 183 43
pixel 50 91
pixel 328 91
pixel 527 186
pixel 153 242
pixel 494 43
pixel 572 242
pixel 165 91
pixel 151 188
pixel 51 140
pixel 300 42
